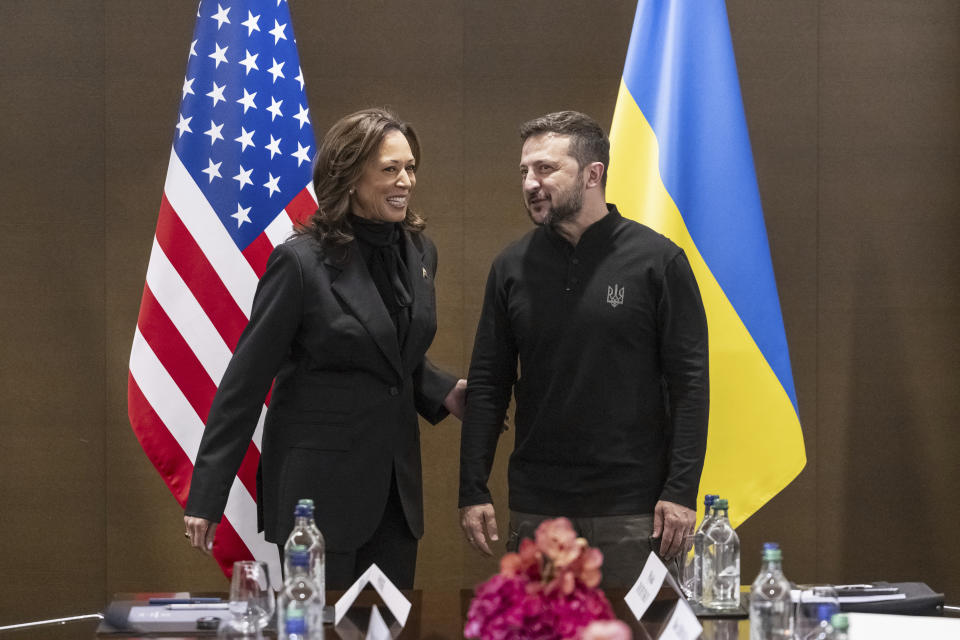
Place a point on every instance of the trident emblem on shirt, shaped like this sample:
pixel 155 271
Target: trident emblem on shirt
pixel 615 295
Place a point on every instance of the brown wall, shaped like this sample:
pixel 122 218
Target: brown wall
pixel 853 110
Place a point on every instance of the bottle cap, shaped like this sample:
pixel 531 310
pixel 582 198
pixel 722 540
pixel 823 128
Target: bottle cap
pixel 301 511
pixel 774 554
pixel 306 501
pixel 721 503
pixel 840 621
pixel 709 499
pixel 771 545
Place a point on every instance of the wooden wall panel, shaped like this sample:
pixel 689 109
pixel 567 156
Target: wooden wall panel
pixel 888 296
pixel 776 49
pixel 51 310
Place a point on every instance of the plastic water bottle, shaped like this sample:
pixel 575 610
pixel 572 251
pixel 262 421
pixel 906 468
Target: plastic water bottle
pixel 770 605
pixel 299 609
pixel 318 568
pixel 303 536
pixel 814 608
pixel 694 581
pixel 721 579
pixel 841 626
pixel 295 626
pixel 705 567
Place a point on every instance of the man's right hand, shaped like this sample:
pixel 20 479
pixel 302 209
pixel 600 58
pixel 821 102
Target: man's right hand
pixel 200 531
pixel 479 524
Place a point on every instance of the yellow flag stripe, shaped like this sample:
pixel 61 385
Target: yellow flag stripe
pixel 755 444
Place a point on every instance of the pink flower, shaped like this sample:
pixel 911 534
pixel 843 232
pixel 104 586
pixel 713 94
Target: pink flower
pixel 545 591
pixel 588 569
pixel 606 630
pixel 558 541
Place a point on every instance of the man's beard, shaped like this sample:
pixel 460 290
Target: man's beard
pixel 569 203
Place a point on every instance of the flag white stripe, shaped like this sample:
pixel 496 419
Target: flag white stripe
pixel 187 315
pixel 176 413
pixel 208 232
pixel 165 397
pixel 241 511
pixel 258 432
pixel 280 229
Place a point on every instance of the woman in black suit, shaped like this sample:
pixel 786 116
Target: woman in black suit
pixel 342 319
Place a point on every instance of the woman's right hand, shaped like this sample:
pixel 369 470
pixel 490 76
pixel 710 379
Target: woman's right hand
pixel 200 531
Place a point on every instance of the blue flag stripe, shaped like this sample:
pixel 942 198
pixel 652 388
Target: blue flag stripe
pixel 705 160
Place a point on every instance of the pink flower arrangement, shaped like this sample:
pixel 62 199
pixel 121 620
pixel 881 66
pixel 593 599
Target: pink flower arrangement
pixel 545 591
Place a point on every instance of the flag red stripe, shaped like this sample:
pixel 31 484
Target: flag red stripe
pixel 248 470
pixel 228 547
pixel 257 253
pixel 191 263
pixel 174 466
pixel 161 447
pixel 302 207
pixel 175 355
pixel 188 374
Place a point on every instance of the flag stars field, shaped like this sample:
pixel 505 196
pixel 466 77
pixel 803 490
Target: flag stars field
pixel 245 104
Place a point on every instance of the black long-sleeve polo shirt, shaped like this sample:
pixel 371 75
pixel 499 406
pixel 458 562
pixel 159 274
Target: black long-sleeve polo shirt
pixel 612 392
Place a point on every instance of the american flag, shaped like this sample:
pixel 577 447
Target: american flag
pixel 239 174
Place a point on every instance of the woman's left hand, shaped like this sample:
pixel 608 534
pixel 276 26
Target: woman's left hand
pixel 456 400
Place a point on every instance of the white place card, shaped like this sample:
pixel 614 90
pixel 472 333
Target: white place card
pixel 398 605
pixel 377 629
pixel 647 586
pixel 682 624
pixel 883 626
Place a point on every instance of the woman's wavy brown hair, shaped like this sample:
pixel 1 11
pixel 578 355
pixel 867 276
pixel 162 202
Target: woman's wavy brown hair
pixel 339 163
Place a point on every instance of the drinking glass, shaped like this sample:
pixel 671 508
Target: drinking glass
pixel 251 597
pixel 814 608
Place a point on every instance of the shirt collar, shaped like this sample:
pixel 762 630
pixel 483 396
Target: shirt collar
pixel 597 233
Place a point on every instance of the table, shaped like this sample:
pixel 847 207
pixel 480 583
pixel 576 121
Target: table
pixel 435 615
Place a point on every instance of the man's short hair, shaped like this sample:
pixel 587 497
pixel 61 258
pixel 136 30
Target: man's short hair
pixel 588 140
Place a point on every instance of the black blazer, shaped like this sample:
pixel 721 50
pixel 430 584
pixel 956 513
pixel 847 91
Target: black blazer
pixel 343 411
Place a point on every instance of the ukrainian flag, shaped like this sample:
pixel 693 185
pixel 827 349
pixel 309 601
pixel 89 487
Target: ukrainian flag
pixel 680 162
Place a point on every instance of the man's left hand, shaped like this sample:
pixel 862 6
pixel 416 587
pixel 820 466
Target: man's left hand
pixel 456 400
pixel 671 522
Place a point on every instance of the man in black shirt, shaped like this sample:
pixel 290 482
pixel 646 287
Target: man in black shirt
pixel 605 317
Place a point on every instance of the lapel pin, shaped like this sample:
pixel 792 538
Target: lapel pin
pixel 424 271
